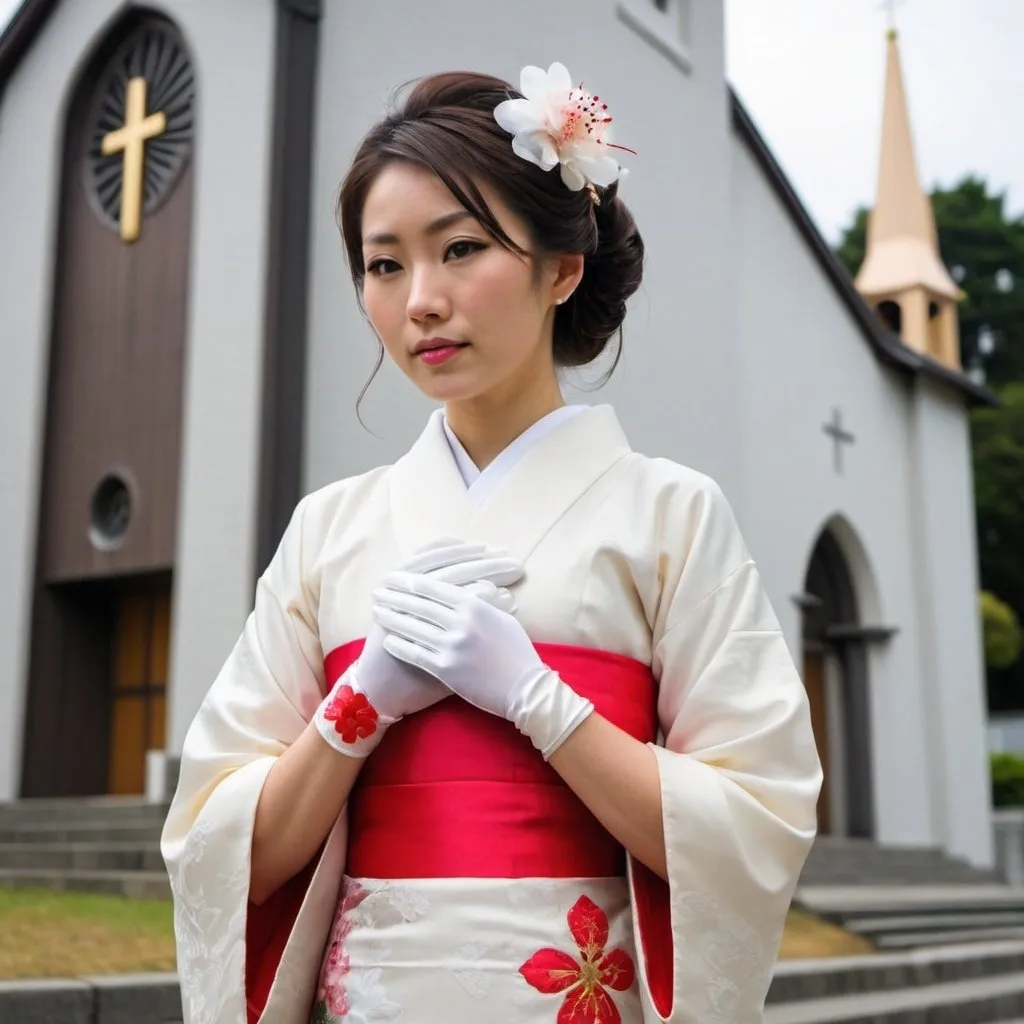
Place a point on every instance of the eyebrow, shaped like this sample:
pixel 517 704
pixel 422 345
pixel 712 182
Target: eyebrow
pixel 433 228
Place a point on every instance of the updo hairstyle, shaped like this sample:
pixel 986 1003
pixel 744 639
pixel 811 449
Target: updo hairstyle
pixel 447 125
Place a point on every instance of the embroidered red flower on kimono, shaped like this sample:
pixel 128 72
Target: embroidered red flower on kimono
pixel 336 965
pixel 354 717
pixel 587 979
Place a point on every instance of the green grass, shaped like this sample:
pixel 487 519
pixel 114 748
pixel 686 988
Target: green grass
pixel 66 934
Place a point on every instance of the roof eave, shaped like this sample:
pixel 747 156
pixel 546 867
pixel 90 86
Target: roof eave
pixel 20 33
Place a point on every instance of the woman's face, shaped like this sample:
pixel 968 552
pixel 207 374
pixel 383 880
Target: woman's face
pixel 462 316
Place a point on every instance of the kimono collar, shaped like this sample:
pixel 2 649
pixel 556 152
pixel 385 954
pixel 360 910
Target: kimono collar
pixel 429 499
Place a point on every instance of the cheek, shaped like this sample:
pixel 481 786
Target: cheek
pixel 501 291
pixel 380 309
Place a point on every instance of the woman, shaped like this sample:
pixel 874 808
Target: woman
pixel 569 774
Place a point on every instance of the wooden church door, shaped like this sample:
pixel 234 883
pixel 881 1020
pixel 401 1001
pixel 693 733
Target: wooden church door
pixel 110 476
pixel 138 699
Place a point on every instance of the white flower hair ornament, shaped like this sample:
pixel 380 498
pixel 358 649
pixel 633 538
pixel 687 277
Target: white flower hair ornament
pixel 559 124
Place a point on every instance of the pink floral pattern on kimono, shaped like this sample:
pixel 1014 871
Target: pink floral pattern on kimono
pixel 331 990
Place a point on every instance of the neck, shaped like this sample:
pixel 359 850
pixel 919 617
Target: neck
pixel 487 425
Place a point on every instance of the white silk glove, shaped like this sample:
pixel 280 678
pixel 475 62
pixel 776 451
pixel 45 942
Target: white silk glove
pixel 378 689
pixel 479 651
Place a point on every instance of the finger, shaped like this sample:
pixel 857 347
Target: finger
pixel 445 553
pixel 496 597
pixel 412 654
pixel 410 627
pixel 505 602
pixel 439 617
pixel 446 594
pixel 498 569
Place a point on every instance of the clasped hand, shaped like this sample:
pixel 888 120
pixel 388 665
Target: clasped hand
pixel 379 690
pixel 478 650
pixel 444 623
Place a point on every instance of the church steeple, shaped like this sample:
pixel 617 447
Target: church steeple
pixel 902 276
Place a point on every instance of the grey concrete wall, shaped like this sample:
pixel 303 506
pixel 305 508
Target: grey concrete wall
pixel 946 573
pixel 233 47
pixel 801 356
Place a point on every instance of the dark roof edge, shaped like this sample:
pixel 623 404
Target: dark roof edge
pixel 32 15
pixel 886 345
pixel 20 34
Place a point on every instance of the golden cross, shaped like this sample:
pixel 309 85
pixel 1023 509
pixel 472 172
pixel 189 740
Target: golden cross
pixel 131 140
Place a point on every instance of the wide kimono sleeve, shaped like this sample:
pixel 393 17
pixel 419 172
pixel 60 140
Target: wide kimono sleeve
pixel 739 775
pixel 258 705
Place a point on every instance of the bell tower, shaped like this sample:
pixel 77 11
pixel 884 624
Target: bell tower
pixel 902 276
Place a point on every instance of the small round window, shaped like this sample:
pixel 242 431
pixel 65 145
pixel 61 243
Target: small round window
pixel 111 512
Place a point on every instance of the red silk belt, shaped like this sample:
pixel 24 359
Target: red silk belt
pixel 454 792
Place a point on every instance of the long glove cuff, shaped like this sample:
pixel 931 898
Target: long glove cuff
pixel 547 710
pixel 348 721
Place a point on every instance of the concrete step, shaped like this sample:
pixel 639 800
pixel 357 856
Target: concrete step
pixel 82 856
pixel 101 808
pixel 125 831
pixel 919 940
pixel 110 999
pixel 975 1001
pixel 835 860
pixel 885 972
pixel 143 885
pixel 883 900
pixel 902 917
pixel 878 927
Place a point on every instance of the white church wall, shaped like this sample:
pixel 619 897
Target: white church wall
pixel 231 46
pixel 801 355
pixel 947 576
pixel 672 388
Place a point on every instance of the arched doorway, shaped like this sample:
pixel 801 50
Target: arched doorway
pixel 109 483
pixel 835 671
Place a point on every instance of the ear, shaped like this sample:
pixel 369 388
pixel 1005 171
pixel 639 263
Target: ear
pixel 564 274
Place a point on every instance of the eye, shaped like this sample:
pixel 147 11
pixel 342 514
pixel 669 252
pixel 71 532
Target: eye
pixel 382 267
pixel 461 249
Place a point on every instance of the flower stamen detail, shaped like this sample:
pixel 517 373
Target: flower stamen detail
pixel 557 123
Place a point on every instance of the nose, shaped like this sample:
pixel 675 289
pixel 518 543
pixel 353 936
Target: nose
pixel 427 295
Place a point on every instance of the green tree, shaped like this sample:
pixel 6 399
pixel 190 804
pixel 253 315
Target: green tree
pixel 998 441
pixel 984 249
pixel 1001 631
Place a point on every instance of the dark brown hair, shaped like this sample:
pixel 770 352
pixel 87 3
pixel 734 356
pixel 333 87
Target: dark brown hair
pixel 447 125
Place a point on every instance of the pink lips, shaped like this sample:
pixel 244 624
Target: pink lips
pixel 439 354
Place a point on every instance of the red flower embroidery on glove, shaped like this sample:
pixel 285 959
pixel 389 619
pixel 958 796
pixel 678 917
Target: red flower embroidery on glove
pixel 587 979
pixel 354 717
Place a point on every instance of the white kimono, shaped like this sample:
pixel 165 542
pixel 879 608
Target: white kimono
pixel 636 574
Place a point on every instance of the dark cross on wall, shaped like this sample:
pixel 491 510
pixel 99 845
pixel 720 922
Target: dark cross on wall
pixel 839 437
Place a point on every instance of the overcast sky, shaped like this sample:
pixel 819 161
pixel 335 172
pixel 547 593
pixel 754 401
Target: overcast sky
pixel 810 72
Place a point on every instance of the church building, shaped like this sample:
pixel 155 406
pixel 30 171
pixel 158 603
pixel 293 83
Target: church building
pixel 183 353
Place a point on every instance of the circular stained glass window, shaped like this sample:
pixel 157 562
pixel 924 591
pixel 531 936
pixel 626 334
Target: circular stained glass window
pixel 157 55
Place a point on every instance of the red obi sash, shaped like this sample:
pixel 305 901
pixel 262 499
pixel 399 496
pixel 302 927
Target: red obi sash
pixel 454 792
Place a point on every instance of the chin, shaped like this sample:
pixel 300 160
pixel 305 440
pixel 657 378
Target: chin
pixel 454 387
